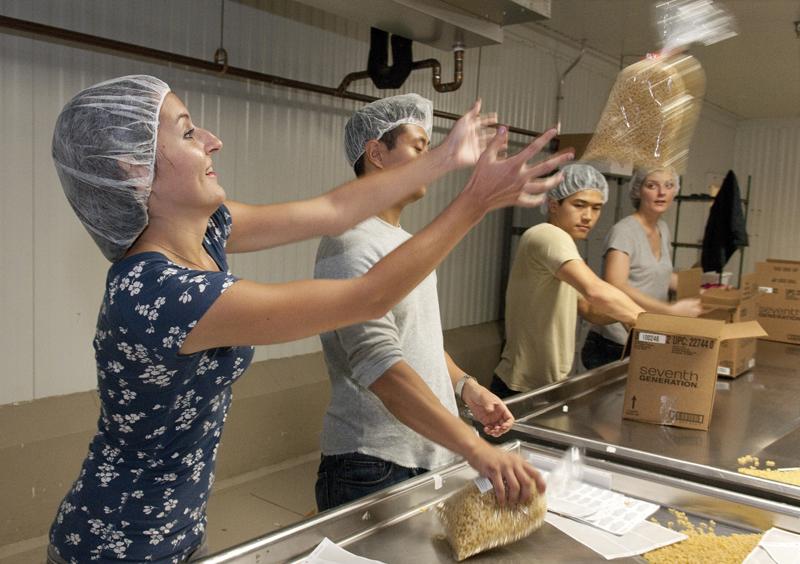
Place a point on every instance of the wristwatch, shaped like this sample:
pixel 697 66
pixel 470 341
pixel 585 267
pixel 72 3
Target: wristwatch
pixel 460 385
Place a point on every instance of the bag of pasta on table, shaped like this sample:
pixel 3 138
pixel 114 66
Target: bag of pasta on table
pixel 473 521
pixel 654 104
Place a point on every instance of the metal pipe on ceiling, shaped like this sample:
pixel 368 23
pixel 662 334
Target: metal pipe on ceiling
pixel 436 74
pixel 436 70
pixel 223 70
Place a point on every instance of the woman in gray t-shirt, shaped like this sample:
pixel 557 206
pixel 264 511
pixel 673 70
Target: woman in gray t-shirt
pixel 637 261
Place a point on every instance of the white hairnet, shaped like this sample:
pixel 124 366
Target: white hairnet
pixel 640 175
pixel 104 148
pixel 577 178
pixel 375 119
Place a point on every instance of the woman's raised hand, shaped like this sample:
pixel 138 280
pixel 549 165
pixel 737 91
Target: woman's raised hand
pixel 499 181
pixel 467 140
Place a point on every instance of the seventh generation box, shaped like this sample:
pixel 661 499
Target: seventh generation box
pixel 779 299
pixel 672 373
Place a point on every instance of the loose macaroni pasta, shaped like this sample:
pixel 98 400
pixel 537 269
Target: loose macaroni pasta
pixel 703 544
pixel 750 465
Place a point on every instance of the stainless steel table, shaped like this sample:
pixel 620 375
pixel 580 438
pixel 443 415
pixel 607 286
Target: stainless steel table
pixel 757 414
pixel 399 525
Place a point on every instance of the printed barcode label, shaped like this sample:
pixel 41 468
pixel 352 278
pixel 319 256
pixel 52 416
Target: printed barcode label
pixel 766 290
pixel 724 370
pixel 653 338
pixel 483 483
pixel 687 417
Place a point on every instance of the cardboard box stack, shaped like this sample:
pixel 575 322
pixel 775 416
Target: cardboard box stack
pixel 779 299
pixel 778 355
pixel 689 282
pixel 672 372
pixel 731 306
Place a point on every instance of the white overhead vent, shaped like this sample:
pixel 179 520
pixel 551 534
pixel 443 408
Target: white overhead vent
pixel 505 12
pixel 439 23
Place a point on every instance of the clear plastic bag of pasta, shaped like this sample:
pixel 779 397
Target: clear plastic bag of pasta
pixel 651 114
pixel 654 104
pixel 474 522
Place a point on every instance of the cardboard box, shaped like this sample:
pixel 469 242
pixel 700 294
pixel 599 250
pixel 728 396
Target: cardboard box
pixel 778 355
pixel 672 372
pixel 731 306
pixel 689 282
pixel 614 168
pixel 578 141
pixel 776 272
pixel 779 299
pixel 714 278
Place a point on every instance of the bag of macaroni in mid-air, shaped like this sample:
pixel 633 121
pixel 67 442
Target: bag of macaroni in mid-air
pixel 654 104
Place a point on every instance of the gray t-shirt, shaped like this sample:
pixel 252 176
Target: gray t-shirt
pixel 356 356
pixel 647 274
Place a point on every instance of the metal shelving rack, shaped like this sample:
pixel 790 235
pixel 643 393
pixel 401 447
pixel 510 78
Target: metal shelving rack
pixel 705 198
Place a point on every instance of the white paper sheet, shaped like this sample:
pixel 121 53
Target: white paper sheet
pixel 621 515
pixel 583 501
pixel 601 507
pixel 759 555
pixel 776 547
pixel 646 536
pixel 328 552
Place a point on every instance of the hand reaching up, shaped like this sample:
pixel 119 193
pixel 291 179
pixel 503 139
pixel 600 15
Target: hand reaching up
pixel 499 181
pixel 467 140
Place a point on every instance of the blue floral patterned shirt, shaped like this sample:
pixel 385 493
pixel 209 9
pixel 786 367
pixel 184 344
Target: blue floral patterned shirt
pixel 142 491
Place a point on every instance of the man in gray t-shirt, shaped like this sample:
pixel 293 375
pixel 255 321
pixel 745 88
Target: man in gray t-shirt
pixel 393 410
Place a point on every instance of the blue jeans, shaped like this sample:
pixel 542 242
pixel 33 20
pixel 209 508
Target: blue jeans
pixel 499 388
pixel 597 351
pixel 343 478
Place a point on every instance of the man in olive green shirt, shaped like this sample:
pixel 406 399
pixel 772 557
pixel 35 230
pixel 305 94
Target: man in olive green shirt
pixel 550 283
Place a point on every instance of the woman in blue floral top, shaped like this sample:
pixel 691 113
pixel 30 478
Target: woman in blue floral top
pixel 176 328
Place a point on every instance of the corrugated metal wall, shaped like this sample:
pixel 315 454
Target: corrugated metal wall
pixel 769 151
pixel 280 144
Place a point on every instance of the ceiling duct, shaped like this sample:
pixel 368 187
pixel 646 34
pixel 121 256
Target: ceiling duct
pixel 438 23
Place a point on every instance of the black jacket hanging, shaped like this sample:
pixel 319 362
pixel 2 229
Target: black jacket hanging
pixel 726 229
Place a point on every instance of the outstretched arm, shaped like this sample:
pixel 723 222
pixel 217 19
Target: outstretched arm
pixel 617 268
pixel 591 314
pixel 485 406
pixel 408 398
pixel 257 227
pixel 250 313
pixel 601 296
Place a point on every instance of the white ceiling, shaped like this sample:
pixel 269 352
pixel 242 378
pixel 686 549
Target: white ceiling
pixel 754 75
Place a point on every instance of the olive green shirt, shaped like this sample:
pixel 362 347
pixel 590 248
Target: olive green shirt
pixel 541 311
